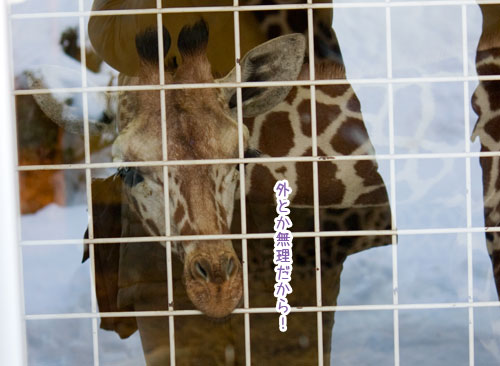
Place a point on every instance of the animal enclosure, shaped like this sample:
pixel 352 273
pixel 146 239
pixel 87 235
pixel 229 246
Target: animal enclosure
pixel 149 137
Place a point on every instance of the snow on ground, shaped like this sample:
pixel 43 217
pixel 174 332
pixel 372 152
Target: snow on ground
pixel 55 281
pixel 429 194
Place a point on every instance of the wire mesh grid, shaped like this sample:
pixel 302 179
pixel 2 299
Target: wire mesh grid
pixel 392 157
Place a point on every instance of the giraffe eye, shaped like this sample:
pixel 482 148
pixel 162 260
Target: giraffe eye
pixel 250 153
pixel 130 176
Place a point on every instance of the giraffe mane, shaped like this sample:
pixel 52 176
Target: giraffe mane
pixel 324 70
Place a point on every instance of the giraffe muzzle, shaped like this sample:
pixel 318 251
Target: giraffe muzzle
pixel 214 282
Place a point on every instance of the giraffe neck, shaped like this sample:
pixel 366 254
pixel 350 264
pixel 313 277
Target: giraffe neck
pixel 286 131
pixel 486 104
pixel 486 99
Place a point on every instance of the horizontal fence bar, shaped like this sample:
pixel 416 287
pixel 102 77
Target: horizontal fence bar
pixel 321 234
pixel 261 84
pixel 236 161
pixel 270 310
pixel 244 8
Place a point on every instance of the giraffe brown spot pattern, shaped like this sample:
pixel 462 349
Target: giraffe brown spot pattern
pixel 368 170
pixel 492 128
pixel 331 189
pixel 496 161
pixel 488 69
pixel 263 182
pixel 187 229
pixel 350 135
pixel 325 116
pixel 492 87
pixel 291 96
pixel 276 121
pixel 179 213
pixel 281 170
pixel 375 197
pixel 475 105
pixel 482 55
pixel 353 104
pixel 334 90
pixel 297 20
pixel 493 90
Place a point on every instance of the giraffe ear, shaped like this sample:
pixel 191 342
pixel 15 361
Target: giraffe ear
pixel 66 109
pixel 279 59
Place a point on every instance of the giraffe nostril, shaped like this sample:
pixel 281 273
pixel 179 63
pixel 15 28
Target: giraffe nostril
pixel 230 267
pixel 201 270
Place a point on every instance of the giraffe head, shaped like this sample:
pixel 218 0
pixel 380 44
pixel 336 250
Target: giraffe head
pixel 200 124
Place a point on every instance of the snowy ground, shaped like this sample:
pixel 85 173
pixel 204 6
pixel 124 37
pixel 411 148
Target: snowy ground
pixel 429 194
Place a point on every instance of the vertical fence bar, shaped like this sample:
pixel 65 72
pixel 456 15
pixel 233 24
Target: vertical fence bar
pixel 243 210
pixel 317 247
pixel 468 185
pixel 12 331
pixel 88 182
pixel 390 97
pixel 166 195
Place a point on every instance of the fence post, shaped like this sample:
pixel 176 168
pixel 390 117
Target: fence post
pixel 12 349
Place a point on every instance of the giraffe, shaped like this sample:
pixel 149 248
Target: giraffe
pixel 486 104
pixel 43 142
pixel 343 207
pixel 210 347
pixel 200 126
pixel 338 106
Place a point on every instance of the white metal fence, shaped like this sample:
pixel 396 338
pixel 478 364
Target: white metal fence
pixel 11 249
